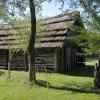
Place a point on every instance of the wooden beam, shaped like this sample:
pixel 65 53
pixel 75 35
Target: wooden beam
pixel 55 61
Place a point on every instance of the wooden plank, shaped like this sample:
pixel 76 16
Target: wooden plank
pixel 3 57
pixel 45 60
pixel 45 67
pixel 55 61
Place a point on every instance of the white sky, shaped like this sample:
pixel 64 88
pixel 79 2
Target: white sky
pixel 52 9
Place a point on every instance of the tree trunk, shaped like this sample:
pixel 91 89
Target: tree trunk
pixel 97 75
pixel 31 48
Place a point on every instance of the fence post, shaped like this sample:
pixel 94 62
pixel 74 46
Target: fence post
pixel 99 60
pixel 97 74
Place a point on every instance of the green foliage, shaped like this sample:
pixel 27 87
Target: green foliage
pixel 78 27
pixel 89 8
pixel 93 9
pixel 20 33
pixel 89 40
pixel 1 12
pixel 93 42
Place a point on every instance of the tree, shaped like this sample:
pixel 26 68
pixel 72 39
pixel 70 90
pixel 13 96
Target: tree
pixel 92 7
pixel 31 48
pixel 16 8
pixel 97 75
pixel 92 12
pixel 88 7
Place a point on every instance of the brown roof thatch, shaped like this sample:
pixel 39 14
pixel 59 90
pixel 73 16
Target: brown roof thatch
pixel 51 33
pixel 55 30
pixel 8 41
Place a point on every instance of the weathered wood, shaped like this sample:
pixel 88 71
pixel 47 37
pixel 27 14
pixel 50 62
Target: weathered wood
pixel 55 60
pixel 66 58
pixel 61 59
pixel 9 61
pixel 3 57
pixel 97 74
pixel 45 67
pixel 69 49
pixel 18 62
pixel 45 60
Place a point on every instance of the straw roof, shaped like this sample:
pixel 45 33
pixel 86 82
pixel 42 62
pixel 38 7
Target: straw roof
pixel 8 40
pixel 51 33
pixel 55 30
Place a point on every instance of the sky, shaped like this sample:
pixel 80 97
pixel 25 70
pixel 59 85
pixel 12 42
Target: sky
pixel 52 9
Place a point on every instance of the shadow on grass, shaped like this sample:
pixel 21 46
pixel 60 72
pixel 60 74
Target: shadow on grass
pixel 1 73
pixel 43 83
pixel 86 71
pixel 65 88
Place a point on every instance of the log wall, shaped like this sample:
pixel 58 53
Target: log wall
pixel 68 58
pixel 45 62
pixel 59 59
pixel 18 62
pixel 3 58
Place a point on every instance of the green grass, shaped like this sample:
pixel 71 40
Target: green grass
pixel 91 60
pixel 69 86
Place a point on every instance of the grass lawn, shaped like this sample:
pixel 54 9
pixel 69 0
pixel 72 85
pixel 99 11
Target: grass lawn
pixel 69 86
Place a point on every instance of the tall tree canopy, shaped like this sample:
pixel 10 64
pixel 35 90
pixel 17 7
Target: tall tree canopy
pixel 91 9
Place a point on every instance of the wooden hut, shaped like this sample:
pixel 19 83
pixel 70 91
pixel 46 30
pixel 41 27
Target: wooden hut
pixel 53 50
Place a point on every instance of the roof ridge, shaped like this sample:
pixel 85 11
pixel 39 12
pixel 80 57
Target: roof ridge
pixel 63 14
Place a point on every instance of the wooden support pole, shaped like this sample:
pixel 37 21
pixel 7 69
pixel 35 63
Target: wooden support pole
pixel 97 74
pixel 75 57
pixel 55 61
pixel 9 70
pixel 99 60
pixel 69 49
pixel 62 60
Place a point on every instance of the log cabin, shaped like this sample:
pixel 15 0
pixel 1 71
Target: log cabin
pixel 53 50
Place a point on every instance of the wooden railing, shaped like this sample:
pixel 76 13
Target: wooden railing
pixel 45 67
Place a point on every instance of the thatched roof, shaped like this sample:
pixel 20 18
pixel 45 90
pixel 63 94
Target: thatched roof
pixel 51 33
pixel 8 40
pixel 55 30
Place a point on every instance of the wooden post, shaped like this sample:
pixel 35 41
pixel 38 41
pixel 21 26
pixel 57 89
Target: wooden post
pixel 99 60
pixel 62 57
pixel 97 74
pixel 69 49
pixel 65 58
pixel 55 61
pixel 25 61
pixel 72 58
pixel 75 54
pixel 9 70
